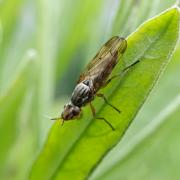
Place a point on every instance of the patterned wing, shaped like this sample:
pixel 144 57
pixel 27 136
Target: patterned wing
pixel 105 58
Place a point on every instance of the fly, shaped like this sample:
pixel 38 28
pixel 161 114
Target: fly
pixel 94 77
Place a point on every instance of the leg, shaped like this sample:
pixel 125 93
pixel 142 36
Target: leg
pixel 131 65
pixel 93 110
pixel 106 101
pixel 100 118
pixel 122 73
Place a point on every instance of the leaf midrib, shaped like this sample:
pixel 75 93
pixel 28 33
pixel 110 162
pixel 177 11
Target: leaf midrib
pixel 111 95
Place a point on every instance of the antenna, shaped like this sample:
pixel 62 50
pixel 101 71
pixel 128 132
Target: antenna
pixel 58 118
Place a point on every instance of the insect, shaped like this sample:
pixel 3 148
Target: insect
pixel 94 77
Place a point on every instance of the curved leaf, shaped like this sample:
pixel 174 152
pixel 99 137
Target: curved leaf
pixel 155 153
pixel 166 90
pixel 72 151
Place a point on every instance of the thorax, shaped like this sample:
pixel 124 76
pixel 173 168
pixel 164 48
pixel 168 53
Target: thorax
pixel 83 93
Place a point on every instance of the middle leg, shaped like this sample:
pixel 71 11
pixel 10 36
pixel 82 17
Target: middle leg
pixel 106 101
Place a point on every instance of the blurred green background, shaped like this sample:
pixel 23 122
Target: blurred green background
pixel 44 45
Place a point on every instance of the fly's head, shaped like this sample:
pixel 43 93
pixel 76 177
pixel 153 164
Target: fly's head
pixel 70 112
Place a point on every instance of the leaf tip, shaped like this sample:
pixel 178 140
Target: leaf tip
pixel 176 7
pixel 178 4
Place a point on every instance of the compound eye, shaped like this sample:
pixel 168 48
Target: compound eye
pixel 75 112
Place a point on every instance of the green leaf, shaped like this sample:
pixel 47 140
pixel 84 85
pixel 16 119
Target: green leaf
pixel 162 95
pixel 9 15
pixel 74 150
pixel 155 152
pixel 10 106
pixel 125 22
pixel 0 33
pixel 14 39
pixel 76 33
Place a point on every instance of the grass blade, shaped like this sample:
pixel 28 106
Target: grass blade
pixel 156 144
pixel 74 150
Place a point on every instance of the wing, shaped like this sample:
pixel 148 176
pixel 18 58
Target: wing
pixel 105 60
